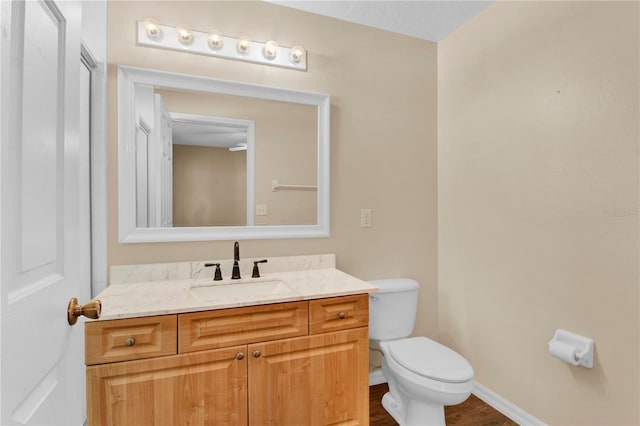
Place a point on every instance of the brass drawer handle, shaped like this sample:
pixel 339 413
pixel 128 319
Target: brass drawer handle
pixel 239 356
pixel 342 315
pixel 130 341
pixel 256 354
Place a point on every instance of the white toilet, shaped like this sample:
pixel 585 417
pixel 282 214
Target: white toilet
pixel 423 375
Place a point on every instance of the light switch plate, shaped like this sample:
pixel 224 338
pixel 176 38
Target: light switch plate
pixel 366 218
pixel 261 209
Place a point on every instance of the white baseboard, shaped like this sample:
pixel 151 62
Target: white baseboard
pixel 376 377
pixel 507 408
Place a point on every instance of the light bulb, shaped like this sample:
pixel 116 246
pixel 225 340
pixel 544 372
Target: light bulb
pixel 244 45
pixel 152 28
pixel 216 40
pixel 185 35
pixel 297 53
pixel 270 50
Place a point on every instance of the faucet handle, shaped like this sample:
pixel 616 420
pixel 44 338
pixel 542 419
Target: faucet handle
pixel 256 271
pixel 218 274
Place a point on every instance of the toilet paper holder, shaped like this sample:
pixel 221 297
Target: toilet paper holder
pixel 572 348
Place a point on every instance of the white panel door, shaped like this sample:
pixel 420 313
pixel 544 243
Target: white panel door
pixel 142 176
pixel 164 140
pixel 42 371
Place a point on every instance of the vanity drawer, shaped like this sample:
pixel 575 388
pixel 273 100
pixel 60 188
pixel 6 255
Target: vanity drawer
pixel 129 339
pixel 227 327
pixel 338 313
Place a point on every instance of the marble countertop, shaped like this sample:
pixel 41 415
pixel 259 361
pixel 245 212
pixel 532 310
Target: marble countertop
pixel 147 298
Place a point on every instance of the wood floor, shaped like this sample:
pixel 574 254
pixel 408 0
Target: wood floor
pixel 472 412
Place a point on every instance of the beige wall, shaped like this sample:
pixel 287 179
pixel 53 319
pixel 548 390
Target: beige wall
pixel 538 203
pixel 209 186
pixel 383 134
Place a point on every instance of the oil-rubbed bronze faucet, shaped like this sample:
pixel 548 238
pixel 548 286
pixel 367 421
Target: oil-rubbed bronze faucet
pixel 256 270
pixel 218 274
pixel 235 273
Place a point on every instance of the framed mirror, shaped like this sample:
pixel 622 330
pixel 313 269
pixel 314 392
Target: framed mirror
pixel 206 159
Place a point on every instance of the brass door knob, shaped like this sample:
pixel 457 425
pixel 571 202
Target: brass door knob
pixel 342 315
pixel 239 356
pixel 91 310
pixel 256 354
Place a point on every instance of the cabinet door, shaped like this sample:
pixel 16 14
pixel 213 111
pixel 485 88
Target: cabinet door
pixel 205 388
pixel 309 381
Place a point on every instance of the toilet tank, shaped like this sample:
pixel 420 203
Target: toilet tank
pixel 392 310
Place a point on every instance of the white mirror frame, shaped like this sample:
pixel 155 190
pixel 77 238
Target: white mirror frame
pixel 130 77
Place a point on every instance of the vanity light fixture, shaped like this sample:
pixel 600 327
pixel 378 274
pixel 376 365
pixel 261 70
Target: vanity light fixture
pixel 184 39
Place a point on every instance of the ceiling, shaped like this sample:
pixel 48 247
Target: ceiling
pixel 425 19
pixel 208 133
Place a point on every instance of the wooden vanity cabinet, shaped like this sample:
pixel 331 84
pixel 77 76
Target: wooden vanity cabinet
pixel 259 365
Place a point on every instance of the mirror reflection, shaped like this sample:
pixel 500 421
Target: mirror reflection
pixel 209 152
pixel 206 159
pixel 210 159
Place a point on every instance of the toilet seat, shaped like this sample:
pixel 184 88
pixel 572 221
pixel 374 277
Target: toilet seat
pixel 430 359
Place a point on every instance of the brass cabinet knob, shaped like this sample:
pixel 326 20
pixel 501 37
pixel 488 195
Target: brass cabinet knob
pixel 90 310
pixel 256 354
pixel 342 315
pixel 130 341
pixel 239 356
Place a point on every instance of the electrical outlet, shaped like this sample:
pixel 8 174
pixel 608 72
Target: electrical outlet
pixel 366 218
pixel 261 209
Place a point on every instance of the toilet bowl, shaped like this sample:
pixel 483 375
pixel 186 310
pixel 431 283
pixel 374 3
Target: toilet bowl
pixel 423 375
pixel 426 376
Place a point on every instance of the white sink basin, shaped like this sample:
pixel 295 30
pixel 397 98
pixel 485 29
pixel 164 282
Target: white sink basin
pixel 253 288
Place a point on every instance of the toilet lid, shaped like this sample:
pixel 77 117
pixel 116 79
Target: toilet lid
pixel 431 359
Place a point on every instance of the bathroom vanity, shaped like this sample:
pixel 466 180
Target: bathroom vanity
pixel 290 347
